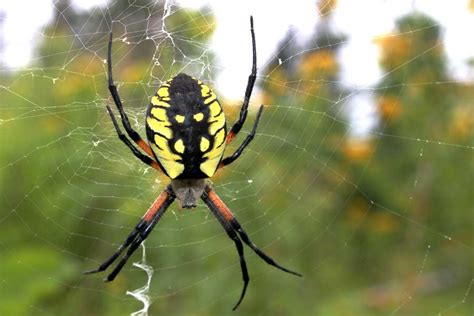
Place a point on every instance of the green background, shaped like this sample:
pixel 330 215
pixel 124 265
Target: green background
pixel 378 225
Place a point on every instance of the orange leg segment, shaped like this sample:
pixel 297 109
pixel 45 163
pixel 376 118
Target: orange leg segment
pixel 216 200
pixel 155 207
pixel 144 146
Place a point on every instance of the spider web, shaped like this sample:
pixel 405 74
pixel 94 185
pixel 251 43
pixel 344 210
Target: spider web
pixel 360 176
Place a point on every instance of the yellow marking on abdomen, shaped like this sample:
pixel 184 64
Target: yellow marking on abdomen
pixel 159 113
pixel 161 142
pixel 179 146
pixel 167 159
pixel 210 99
pixel 205 90
pixel 209 166
pixel 198 117
pixel 160 127
pixel 179 118
pixel 204 145
pixel 219 138
pixel 173 168
pixel 156 101
pixel 164 152
pixel 215 108
pixel 163 92
pixel 218 123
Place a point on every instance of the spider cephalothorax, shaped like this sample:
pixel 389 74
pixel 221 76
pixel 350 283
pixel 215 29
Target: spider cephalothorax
pixel 187 134
pixel 188 191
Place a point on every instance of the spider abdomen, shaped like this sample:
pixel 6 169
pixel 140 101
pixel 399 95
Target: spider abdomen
pixel 186 128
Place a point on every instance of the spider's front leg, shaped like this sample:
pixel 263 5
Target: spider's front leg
pixel 139 233
pixel 118 102
pixel 235 129
pixel 228 160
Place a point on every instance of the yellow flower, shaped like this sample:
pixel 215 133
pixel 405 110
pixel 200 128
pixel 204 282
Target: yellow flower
pixel 357 212
pixel 267 98
pixel 383 223
pixel 462 123
pixel 134 72
pixel 358 150
pixel 321 63
pixel 88 65
pixel 275 82
pixel 389 107
pixel 395 50
pixel 326 7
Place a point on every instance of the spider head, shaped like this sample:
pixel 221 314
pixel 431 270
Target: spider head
pixel 188 191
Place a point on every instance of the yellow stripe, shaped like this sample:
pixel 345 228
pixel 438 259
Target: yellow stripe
pixel 205 90
pixel 159 113
pixel 163 92
pixel 166 158
pixel 215 108
pixel 210 99
pixel 164 152
pixel 218 124
pixel 219 139
pixel 159 102
pixel 173 169
pixel 161 143
pixel 209 166
pixel 160 127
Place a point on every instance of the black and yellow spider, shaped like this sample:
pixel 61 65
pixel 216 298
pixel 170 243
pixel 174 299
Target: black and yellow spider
pixel 187 135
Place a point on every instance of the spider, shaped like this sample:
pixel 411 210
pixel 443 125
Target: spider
pixel 187 134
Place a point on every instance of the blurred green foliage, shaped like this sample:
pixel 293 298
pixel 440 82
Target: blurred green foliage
pixel 376 224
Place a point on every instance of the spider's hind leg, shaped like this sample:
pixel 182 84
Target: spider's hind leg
pixel 136 231
pixel 235 224
pixel 139 233
pixel 228 160
pixel 232 227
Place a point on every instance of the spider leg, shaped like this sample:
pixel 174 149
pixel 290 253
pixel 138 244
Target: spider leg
pixel 235 224
pixel 228 160
pixel 115 95
pixel 144 158
pixel 119 251
pixel 228 221
pixel 238 244
pixel 133 246
pixel 248 91
pixel 139 233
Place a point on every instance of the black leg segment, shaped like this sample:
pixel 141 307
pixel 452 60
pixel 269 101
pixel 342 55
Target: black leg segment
pixel 248 91
pixel 144 158
pixel 232 227
pixel 115 96
pixel 228 160
pixel 245 238
pixel 238 244
pixel 138 235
